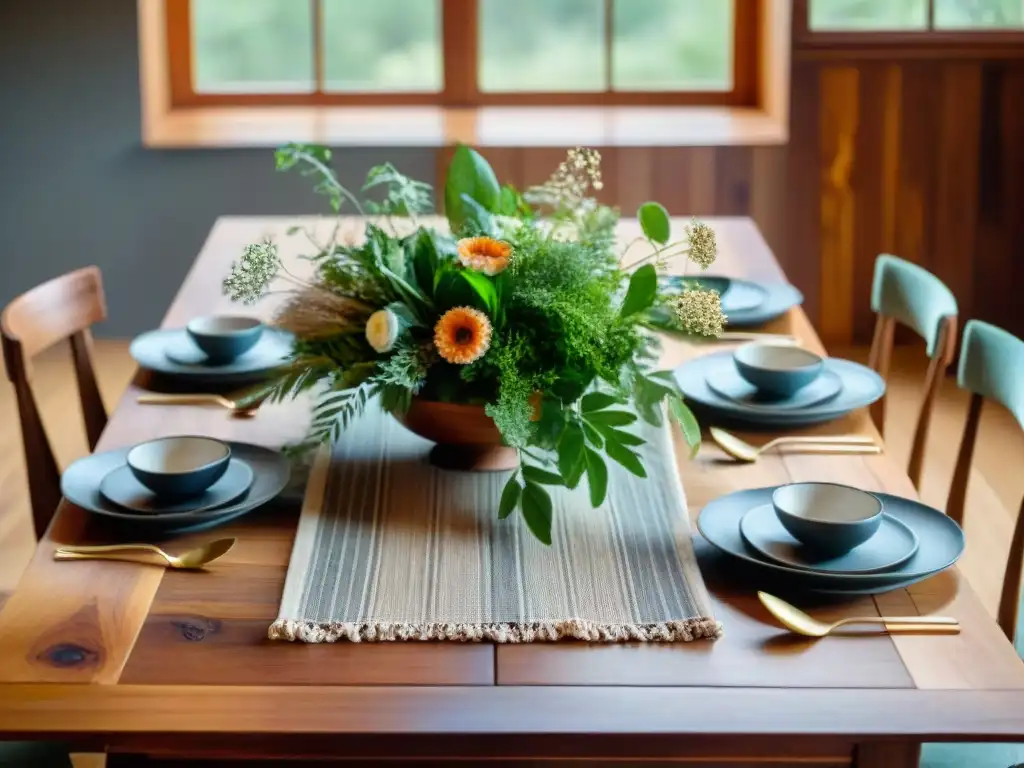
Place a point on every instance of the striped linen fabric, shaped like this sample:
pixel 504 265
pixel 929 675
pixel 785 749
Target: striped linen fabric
pixel 390 548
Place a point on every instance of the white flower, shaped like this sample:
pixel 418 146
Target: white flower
pixel 382 330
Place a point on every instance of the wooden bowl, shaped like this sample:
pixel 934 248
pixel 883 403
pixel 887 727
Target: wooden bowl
pixel 466 437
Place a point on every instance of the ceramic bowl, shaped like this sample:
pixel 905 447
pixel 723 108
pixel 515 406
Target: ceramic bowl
pixel 224 337
pixel 777 369
pixel 177 467
pixel 827 518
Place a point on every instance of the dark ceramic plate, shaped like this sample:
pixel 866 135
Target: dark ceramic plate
pixel 121 487
pixel 941 542
pixel 173 353
pixel 80 485
pixel 861 386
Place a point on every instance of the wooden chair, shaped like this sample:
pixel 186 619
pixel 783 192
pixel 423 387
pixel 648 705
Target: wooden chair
pixel 907 294
pixel 991 366
pixel 62 308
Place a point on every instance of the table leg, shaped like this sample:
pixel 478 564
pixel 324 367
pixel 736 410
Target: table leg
pixel 886 754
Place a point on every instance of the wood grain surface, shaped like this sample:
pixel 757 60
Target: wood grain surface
pixel 186 652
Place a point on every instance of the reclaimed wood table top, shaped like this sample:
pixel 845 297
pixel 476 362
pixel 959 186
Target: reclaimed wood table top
pixel 143 659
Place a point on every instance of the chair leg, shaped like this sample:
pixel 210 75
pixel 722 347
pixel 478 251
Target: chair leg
pixel 1009 600
pixel 878 360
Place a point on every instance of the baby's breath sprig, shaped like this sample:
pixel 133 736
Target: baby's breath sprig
pixel 700 247
pixel 703 248
pixel 700 311
pixel 572 180
pixel 253 273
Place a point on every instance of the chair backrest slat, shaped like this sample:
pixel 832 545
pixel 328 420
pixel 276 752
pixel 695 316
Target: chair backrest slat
pixel 63 308
pixel 905 293
pixel 991 366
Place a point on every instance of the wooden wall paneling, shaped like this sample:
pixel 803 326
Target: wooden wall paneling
pixel 507 164
pixel 611 189
pixel 538 163
pixel 631 171
pixel 876 152
pixel 702 181
pixel 838 124
pixel 733 166
pixel 958 132
pixel 1000 252
pixel 917 162
pixel 769 201
pixel 671 179
pixel 1008 285
pixel 801 256
pixel 992 242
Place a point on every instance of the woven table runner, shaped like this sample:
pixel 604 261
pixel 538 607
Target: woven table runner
pixel 390 548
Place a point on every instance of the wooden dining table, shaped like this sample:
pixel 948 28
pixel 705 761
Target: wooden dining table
pixel 155 666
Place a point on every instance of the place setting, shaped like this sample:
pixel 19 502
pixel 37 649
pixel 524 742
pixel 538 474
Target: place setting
pixel 832 539
pixel 214 349
pixel 176 484
pixel 746 303
pixel 771 384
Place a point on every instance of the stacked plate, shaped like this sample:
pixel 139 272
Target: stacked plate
pixel 175 353
pixel 104 485
pixel 913 542
pixel 713 384
pixel 746 303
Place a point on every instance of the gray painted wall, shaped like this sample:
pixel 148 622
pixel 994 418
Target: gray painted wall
pixel 76 185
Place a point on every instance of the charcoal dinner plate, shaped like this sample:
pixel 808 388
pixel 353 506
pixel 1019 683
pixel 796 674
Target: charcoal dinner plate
pixel 173 353
pixel 80 485
pixel 861 386
pixel 941 542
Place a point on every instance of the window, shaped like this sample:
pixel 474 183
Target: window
pixel 921 16
pixel 462 52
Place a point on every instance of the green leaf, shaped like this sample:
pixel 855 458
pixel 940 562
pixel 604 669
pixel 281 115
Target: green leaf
pixel 597 477
pixel 509 497
pixel 470 175
pixel 484 288
pixel 654 222
pixel 537 511
pixel 598 401
pixel 593 436
pixel 687 423
pixel 542 476
pixel 621 454
pixel 619 436
pixel 425 261
pixel 611 418
pixel 571 461
pixel 477 220
pixel 642 291
pixel 511 203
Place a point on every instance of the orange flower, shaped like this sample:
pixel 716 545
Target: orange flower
pixel 462 335
pixel 484 254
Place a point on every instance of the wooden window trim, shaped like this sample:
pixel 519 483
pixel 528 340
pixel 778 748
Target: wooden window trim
pixel 459 22
pixel 924 42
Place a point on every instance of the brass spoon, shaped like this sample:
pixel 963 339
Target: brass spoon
pixel 241 408
pixel 797 621
pixel 193 558
pixel 744 451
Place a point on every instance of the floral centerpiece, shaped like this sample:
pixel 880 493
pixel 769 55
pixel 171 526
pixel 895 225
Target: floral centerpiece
pixel 525 324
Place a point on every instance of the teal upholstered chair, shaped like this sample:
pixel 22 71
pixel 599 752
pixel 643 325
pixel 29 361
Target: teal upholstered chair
pixel 907 294
pixel 991 366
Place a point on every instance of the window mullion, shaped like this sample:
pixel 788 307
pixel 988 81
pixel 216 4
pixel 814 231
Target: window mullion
pixel 317 13
pixel 609 42
pixel 460 39
pixel 931 15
